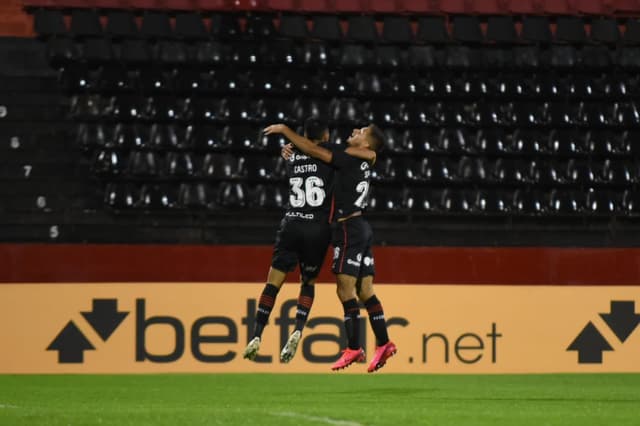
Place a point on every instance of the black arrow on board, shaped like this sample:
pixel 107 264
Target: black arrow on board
pixel 590 344
pixel 622 319
pixel 70 344
pixel 105 318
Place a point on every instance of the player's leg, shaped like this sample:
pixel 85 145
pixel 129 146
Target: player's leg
pixel 313 250
pixel 347 243
pixel 283 261
pixel 275 279
pixel 384 347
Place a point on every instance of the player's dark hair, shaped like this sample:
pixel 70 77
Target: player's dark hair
pixel 377 138
pixel 314 128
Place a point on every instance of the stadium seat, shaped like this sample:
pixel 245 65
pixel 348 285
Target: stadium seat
pixel 456 201
pixel 233 195
pixel 570 29
pixel 326 27
pixel 603 203
pixel 536 29
pixel 156 197
pixel 293 26
pixel 631 202
pixel 580 173
pixel 386 199
pixel 219 166
pixel 632 32
pixel 618 172
pixel 604 143
pixel 567 142
pixel 121 196
pixel 397 29
pixel 85 23
pixel 423 141
pixel 493 141
pixel 49 23
pixel 190 26
pixel 492 202
pixel 259 27
pixel 530 202
pixel 108 162
pixel 384 171
pixel 467 29
pixel 208 138
pixel 432 30
pixel 501 29
pixel 435 170
pixel 269 197
pixel 567 202
pixel 130 136
pixel 144 164
pixel 456 141
pixel 513 171
pixel 195 196
pixel 121 24
pixel 549 173
pixel 473 170
pixel 362 29
pixel 225 26
pixel 422 200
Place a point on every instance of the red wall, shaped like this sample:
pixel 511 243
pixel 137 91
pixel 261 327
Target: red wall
pixel 419 265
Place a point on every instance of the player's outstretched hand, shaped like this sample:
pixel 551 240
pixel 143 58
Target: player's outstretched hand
pixel 287 151
pixel 275 128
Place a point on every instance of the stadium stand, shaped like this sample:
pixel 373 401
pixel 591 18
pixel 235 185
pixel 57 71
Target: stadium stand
pixel 148 114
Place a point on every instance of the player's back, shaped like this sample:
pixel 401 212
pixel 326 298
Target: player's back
pixel 311 184
pixel 352 182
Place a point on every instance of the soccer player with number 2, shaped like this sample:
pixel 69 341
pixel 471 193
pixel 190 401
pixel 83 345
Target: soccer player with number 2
pixel 352 237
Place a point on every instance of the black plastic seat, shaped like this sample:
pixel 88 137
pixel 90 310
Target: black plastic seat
pixel 580 172
pixel 61 51
pixel 135 52
pixel 513 171
pixel 131 136
pixel 604 143
pixel 422 200
pixel 233 195
pixel 493 141
pixel 386 199
pixel 157 197
pixel 266 168
pixel 121 196
pixel 259 27
pixel 156 25
pixel 530 203
pixel 121 24
pixel 501 30
pixel 179 164
pixel 384 171
pixel 466 29
pixel 567 202
pixel 49 23
pixel 219 166
pixel 549 173
pixel 456 201
pixel 626 114
pixel 356 55
pixel 432 30
pixel 567 142
pixel 317 54
pixel 108 162
pixel 209 138
pixel 423 141
pixel 397 29
pixel 346 111
pixel 326 27
pixel 492 202
pixel 190 26
pixel 86 107
pixel 241 138
pixel 85 23
pixel 269 197
pixel 603 203
pixel 456 141
pixel 425 113
pixel 604 30
pixel 472 170
pixel 225 26
pixel 536 29
pixel 631 203
pixel 564 57
pixel 293 26
pixel 570 29
pixel 435 169
pixel 195 196
pixel 618 172
pixel 144 164
pixel 362 29
pixel 422 57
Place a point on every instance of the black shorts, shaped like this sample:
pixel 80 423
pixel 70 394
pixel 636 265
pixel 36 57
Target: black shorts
pixel 301 241
pixel 352 241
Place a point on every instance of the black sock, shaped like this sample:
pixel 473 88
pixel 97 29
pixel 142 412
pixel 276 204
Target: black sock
pixel 267 299
pixel 376 319
pixel 351 323
pixel 305 301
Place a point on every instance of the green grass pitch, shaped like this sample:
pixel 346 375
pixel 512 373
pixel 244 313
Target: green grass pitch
pixel 319 399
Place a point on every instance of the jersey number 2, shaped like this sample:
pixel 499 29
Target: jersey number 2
pixel 363 189
pixel 312 193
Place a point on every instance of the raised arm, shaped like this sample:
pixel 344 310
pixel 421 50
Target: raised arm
pixel 302 143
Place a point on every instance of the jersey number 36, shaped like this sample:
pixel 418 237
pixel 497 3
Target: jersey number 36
pixel 306 192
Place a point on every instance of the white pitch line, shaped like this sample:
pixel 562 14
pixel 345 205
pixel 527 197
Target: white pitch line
pixel 325 420
pixel 8 406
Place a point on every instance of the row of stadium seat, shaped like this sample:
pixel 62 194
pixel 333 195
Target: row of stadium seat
pixel 434 85
pixel 416 142
pixel 313 54
pixel 492 7
pixel 150 166
pixel 359 28
pixel 343 111
pixel 448 201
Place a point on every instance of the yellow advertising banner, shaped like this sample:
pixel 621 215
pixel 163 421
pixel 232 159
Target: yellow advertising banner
pixel 184 327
